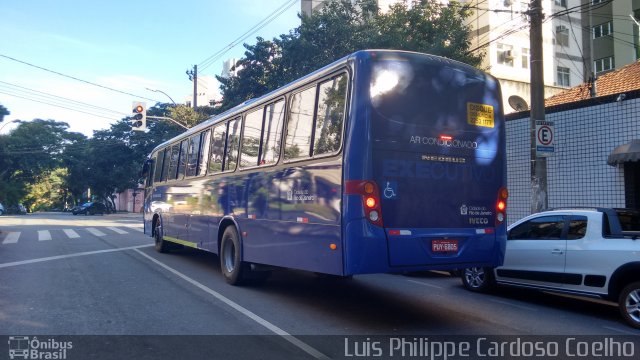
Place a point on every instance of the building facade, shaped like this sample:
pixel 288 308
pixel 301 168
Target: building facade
pixel 208 92
pixel 613 39
pixel 582 171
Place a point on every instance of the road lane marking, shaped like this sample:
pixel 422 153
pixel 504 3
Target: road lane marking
pixel 71 234
pixel 44 235
pixel 12 237
pixel 620 330
pixel 514 305
pixel 425 284
pixel 115 229
pixel 96 232
pixel 50 258
pixel 135 229
pixel 244 311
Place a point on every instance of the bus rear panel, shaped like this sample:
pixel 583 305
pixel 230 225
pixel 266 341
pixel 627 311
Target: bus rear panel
pixel 435 152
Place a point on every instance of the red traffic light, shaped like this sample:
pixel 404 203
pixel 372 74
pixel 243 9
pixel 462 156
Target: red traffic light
pixel 138 109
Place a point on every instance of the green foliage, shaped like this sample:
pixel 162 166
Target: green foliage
pixel 42 164
pixel 28 155
pixel 47 193
pixel 3 112
pixel 340 28
pixel 187 115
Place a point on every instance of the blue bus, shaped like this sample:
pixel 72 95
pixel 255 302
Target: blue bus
pixel 381 162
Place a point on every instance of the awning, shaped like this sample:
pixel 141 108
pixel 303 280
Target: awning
pixel 625 153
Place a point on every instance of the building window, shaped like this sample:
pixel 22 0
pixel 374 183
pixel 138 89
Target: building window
pixel 562 3
pixel 505 54
pixel 563 76
pixel 525 58
pixel 603 30
pixel 603 64
pixel 562 35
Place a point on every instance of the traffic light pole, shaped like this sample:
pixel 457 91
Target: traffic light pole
pixel 167 118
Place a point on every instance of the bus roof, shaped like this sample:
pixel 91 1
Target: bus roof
pixel 361 54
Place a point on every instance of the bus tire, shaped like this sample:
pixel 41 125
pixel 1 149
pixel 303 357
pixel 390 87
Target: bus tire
pixel 231 265
pixel 478 279
pixel 161 246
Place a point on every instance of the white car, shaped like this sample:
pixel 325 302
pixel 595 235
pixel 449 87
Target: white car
pixel 591 252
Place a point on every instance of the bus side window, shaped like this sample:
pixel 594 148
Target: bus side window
pixel 233 143
pixel 298 139
pixel 157 174
pixel 251 138
pixel 330 115
pixel 192 157
pixel 204 152
pixel 183 158
pixel 219 136
pixel 173 164
pixel 271 139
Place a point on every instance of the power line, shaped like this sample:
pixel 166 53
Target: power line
pixel 53 97
pixel 60 106
pixel 75 78
pixel 276 13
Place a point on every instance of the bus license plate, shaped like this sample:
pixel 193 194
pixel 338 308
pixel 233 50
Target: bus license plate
pixel 444 245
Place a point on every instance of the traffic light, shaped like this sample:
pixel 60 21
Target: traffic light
pixel 139 117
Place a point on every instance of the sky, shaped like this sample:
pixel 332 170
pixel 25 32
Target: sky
pixel 126 46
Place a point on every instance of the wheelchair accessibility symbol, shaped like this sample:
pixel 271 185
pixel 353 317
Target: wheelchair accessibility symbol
pixel 390 190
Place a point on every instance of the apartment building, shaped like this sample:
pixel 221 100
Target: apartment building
pixel 613 39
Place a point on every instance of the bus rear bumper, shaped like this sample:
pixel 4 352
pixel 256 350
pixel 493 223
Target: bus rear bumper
pixel 371 249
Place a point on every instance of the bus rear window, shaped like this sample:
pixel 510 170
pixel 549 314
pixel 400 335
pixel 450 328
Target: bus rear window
pixel 435 109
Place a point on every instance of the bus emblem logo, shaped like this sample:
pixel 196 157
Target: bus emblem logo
pixel 464 209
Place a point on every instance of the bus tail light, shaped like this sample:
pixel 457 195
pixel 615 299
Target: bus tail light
pixel 501 206
pixel 370 198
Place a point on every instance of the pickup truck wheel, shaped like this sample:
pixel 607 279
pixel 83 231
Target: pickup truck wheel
pixel 478 279
pixel 629 304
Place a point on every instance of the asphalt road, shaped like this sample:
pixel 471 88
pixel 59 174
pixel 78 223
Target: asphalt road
pixel 100 275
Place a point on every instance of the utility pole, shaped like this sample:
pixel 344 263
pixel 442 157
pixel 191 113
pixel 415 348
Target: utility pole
pixel 193 76
pixel 539 198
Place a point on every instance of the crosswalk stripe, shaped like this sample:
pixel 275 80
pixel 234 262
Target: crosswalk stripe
pixel 96 232
pixel 71 234
pixel 12 237
pixel 115 229
pixel 44 235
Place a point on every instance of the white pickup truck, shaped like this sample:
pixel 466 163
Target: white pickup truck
pixel 593 252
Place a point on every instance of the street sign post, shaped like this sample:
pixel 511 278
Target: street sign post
pixel 544 138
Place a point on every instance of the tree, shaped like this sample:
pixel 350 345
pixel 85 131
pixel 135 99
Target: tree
pixel 259 74
pixel 340 28
pixel 187 115
pixel 48 192
pixel 3 112
pixel 29 153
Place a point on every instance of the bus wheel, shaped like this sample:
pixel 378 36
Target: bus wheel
pixel 230 257
pixel 160 245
